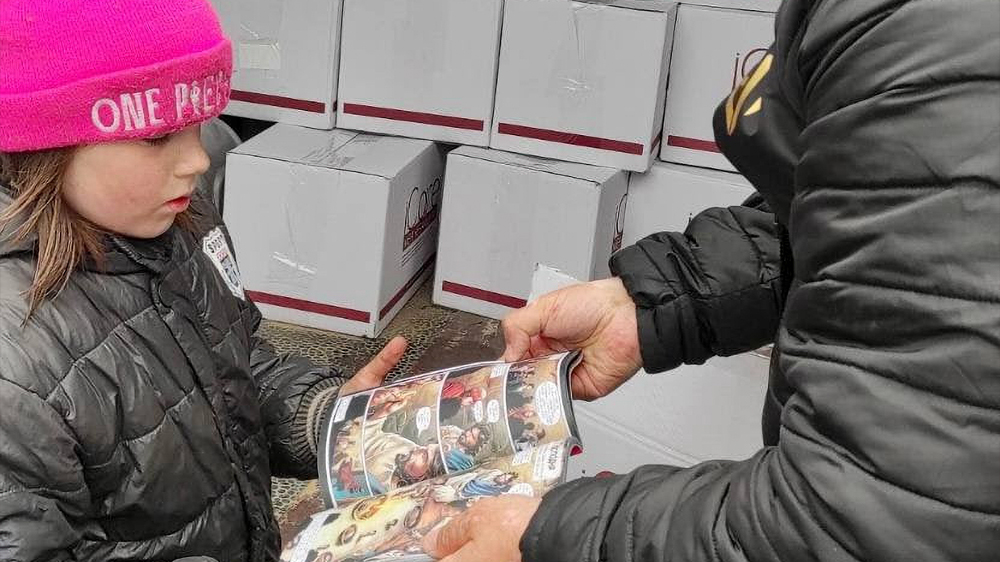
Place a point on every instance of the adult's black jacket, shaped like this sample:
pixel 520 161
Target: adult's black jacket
pixel 873 132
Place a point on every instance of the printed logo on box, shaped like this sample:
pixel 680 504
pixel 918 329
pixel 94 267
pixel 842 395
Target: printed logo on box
pixel 422 209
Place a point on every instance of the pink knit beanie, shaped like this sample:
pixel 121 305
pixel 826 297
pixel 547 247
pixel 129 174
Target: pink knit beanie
pixel 92 71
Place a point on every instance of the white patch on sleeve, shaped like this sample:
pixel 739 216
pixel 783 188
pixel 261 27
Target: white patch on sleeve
pixel 217 249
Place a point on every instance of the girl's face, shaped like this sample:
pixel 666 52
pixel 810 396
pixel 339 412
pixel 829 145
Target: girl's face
pixel 136 188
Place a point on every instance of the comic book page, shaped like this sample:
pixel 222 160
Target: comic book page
pixel 443 423
pixel 537 402
pixel 391 526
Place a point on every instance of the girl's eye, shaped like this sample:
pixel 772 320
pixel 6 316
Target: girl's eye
pixel 158 141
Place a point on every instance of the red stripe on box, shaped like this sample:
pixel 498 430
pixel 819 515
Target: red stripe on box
pixel 309 306
pixel 482 295
pixel 409 284
pixel 693 144
pixel 414 117
pixel 278 101
pixel 570 138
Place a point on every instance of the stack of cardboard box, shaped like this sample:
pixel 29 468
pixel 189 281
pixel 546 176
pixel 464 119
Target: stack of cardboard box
pixel 581 82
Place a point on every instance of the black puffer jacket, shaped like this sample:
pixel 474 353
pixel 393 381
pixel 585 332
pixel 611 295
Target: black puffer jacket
pixel 140 418
pixel 877 144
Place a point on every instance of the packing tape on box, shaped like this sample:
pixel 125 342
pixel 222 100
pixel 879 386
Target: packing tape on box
pixel 578 84
pixel 260 56
pixel 259 45
pixel 293 259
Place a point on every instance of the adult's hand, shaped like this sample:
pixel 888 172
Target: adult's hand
pixel 598 318
pixel 372 374
pixel 490 530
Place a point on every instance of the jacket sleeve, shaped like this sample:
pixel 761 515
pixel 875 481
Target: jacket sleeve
pixel 713 290
pixel 41 480
pixel 294 394
pixel 890 442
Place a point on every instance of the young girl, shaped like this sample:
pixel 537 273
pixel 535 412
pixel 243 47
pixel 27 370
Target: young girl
pixel 140 416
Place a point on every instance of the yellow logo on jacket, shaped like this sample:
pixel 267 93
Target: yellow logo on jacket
pixel 739 96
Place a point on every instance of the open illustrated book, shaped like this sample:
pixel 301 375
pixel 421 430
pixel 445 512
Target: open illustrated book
pixel 398 461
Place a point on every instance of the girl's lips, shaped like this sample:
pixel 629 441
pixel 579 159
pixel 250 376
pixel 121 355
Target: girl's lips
pixel 179 204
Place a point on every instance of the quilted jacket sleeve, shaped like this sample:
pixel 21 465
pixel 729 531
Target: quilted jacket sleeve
pixel 890 442
pixel 293 395
pixel 41 480
pixel 713 290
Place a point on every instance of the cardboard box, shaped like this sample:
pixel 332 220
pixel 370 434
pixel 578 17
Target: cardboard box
pixel 583 82
pixel 503 213
pixel 691 414
pixel 713 50
pixel 420 68
pixel 285 56
pixel 668 196
pixel 333 229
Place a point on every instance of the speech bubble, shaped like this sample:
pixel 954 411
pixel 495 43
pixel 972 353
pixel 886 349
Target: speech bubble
pixel 423 418
pixel 522 457
pixel 548 404
pixel 522 489
pixel 493 411
pixel 477 411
